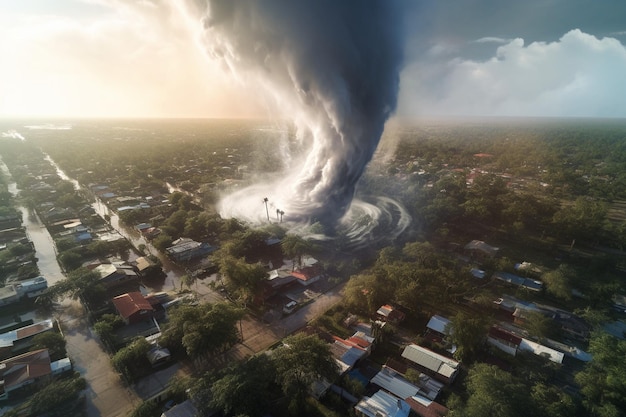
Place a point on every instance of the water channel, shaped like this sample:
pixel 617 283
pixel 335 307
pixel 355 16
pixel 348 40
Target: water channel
pixel 172 271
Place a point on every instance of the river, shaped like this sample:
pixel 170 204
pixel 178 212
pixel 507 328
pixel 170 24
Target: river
pixel 45 250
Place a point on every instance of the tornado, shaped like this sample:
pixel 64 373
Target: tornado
pixel 330 66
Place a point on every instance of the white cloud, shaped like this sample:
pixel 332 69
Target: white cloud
pixel 578 75
pixel 492 39
pixel 117 58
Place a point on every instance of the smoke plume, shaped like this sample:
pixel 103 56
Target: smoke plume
pixel 333 67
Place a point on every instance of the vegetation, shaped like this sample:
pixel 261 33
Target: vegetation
pixel 201 331
pixel 602 380
pixel 547 193
pixel 58 399
pixel 132 361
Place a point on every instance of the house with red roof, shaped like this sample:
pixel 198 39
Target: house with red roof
pixel 390 313
pixel 22 370
pixel 133 307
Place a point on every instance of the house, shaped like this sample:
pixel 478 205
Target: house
pixel 438 327
pixel 504 340
pixel 530 284
pixel 427 386
pixel 424 407
pixel 133 307
pixel 348 352
pixel 309 271
pixel 382 404
pixel 439 366
pixel 111 275
pixel 510 342
pixel 185 249
pixel 31 288
pixel 390 313
pixel 8 295
pixel 477 249
pixel 21 339
pixel 22 370
pixel 541 350
pixel 394 383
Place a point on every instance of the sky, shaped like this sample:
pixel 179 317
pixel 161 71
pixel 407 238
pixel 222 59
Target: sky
pixel 148 58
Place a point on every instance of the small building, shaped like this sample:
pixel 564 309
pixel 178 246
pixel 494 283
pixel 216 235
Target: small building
pixel 112 275
pixel 309 272
pixel 530 284
pixel 477 249
pixel 31 288
pixel 133 307
pixel 349 351
pixel 382 404
pixel 439 326
pixel 185 249
pixel 20 339
pixel 22 370
pixel 439 366
pixel 424 407
pixel 504 340
pixel 390 313
pixel 394 383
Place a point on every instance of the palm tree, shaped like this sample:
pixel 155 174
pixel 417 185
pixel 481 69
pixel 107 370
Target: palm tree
pixel 277 213
pixel 265 200
pixel 281 216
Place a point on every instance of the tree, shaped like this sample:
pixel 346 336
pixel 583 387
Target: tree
pixel 146 409
pixel 468 334
pixel 242 278
pixel 265 200
pixel 54 342
pixel 602 382
pixel 366 293
pixel 56 398
pixel 132 360
pixel 300 362
pixel 245 388
pixel 202 330
pixel 80 283
pixel 558 281
pixel 493 393
pixel 162 242
pixel 539 325
pixel 106 328
pixel 295 247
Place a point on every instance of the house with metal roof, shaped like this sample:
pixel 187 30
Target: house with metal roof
pixel 394 383
pixel 185 249
pixel 439 366
pixel 21 339
pixel 382 404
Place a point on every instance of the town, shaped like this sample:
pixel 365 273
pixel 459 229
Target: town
pixel 503 297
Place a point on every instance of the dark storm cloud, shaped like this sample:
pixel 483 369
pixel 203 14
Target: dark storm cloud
pixel 334 66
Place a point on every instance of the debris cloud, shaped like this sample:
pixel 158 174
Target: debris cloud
pixel 333 67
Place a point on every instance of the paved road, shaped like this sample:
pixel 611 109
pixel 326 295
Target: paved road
pixel 105 396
